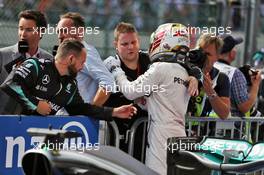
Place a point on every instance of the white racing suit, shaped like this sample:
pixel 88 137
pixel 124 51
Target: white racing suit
pixel 165 85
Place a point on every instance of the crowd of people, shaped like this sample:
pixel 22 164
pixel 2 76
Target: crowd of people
pixel 163 83
pixel 99 13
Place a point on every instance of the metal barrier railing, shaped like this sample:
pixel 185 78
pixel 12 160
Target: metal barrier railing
pixel 116 131
pixel 233 127
pixel 109 131
pixel 133 130
pixel 105 133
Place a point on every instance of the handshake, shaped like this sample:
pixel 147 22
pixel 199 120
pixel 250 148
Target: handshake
pixel 113 64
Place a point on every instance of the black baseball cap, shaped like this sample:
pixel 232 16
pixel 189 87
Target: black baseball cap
pixel 229 42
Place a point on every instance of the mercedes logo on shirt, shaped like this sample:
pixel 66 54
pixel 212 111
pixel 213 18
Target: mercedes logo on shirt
pixel 45 79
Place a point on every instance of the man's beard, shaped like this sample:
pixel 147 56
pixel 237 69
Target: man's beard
pixel 72 71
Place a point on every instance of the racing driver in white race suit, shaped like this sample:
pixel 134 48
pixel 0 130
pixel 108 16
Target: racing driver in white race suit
pixel 167 86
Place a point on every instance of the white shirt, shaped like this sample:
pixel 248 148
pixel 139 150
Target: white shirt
pixel 165 86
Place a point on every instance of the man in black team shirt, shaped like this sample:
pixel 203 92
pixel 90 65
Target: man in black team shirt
pixel 134 63
pixel 45 87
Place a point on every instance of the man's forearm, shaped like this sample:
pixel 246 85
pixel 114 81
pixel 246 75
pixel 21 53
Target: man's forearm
pixel 100 97
pixel 220 106
pixel 247 105
pixel 100 113
pixel 16 92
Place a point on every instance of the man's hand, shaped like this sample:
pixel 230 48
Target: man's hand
pixel 208 85
pixel 125 111
pixel 141 102
pixel 43 108
pixel 193 86
pixel 113 65
pixel 197 73
pixel 255 80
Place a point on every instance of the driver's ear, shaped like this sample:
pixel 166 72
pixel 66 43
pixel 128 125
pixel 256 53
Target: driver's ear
pixel 70 58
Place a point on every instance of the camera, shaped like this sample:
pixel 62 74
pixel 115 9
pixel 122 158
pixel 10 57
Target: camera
pixel 197 57
pixel 248 72
pixel 193 61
